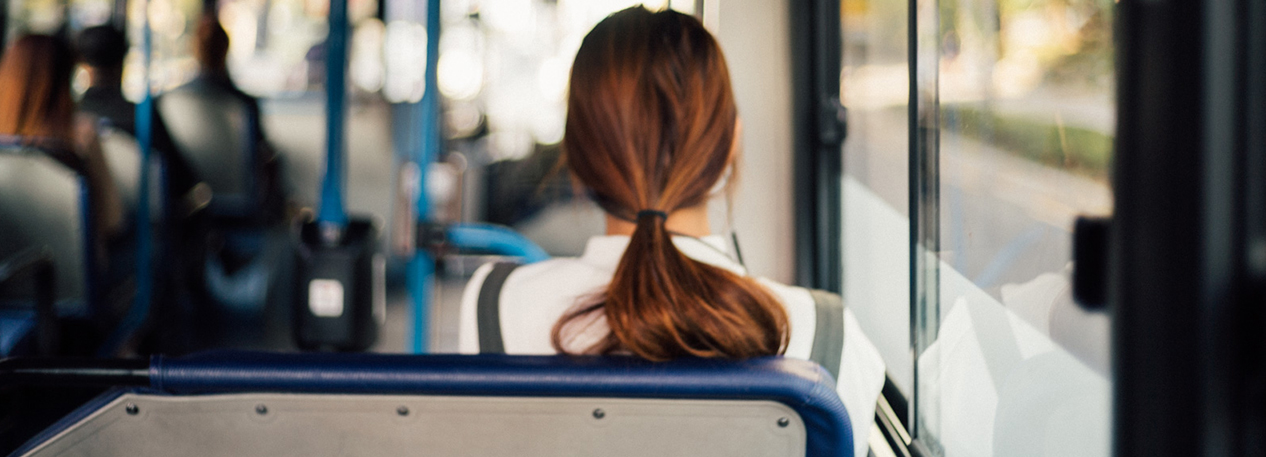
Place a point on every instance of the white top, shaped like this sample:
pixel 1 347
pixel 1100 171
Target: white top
pixel 536 296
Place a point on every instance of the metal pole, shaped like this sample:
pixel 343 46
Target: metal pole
pixel 422 269
pixel 144 243
pixel 74 372
pixel 332 217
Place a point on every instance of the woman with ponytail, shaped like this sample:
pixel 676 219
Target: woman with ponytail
pixel 651 132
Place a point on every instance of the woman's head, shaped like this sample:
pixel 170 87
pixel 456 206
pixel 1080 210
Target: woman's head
pixel 211 44
pixel 35 98
pixel 650 130
pixel 651 116
pixel 102 47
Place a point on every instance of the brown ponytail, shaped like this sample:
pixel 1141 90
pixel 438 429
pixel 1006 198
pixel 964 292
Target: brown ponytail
pixel 650 126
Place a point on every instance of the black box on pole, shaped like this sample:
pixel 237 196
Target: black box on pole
pixel 340 289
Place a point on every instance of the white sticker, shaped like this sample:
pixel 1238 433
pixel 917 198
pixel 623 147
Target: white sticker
pixel 325 298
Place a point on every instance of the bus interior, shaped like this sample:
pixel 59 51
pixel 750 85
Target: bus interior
pixel 1048 216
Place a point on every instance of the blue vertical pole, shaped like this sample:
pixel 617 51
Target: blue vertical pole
pixel 422 270
pixel 136 315
pixel 331 214
pixel 145 137
pixel 421 287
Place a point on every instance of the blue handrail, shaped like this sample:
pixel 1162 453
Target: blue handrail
pixel 494 239
pixel 483 238
pixel 331 212
pixel 426 151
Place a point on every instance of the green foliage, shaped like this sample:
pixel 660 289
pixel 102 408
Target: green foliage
pixel 1080 150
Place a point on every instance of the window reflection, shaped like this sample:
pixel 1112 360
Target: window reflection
pixel 875 240
pixel 1020 95
pixel 1026 128
pixel 1009 139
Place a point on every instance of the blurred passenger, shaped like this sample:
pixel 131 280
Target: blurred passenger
pixel 36 108
pixel 211 49
pixel 651 134
pixel 103 49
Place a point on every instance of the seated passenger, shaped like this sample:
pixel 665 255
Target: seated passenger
pixel 651 132
pixel 36 108
pixel 102 50
pixel 210 49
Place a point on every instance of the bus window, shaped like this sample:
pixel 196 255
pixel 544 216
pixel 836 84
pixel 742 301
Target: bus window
pixel 171 59
pixel 875 242
pixel 48 16
pixel 959 198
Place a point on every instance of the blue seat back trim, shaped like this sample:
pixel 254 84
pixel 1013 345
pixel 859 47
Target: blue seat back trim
pixel 15 326
pixel 801 385
pixel 89 240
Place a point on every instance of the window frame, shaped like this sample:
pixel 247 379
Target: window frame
pixel 819 132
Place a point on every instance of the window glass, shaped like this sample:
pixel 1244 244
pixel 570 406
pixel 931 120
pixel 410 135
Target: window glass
pixel 172 24
pixel 39 16
pixel 875 245
pixel 1015 105
pixel 49 17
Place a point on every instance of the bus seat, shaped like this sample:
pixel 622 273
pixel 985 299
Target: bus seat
pixel 212 129
pixel 29 330
pixel 43 203
pixel 259 404
pixel 123 157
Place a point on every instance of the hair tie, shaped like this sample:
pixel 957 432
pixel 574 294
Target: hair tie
pixel 651 213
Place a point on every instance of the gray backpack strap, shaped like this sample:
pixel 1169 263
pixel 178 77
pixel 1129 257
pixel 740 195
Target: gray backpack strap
pixel 828 337
pixel 488 314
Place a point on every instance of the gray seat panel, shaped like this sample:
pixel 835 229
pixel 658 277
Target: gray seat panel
pixel 123 157
pixel 43 203
pixel 269 425
pixel 212 130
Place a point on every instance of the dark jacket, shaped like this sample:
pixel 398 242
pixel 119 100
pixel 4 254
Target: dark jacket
pixel 109 104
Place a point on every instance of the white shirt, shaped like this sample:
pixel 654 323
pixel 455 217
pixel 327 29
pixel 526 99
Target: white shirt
pixel 534 297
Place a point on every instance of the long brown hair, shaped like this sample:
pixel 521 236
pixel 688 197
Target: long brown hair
pixel 650 130
pixel 35 98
